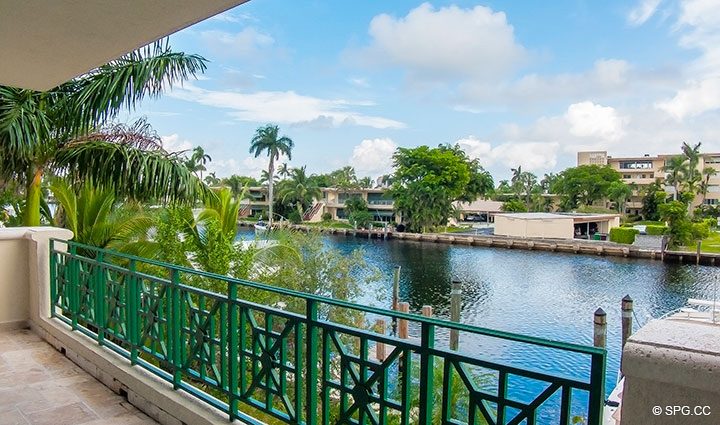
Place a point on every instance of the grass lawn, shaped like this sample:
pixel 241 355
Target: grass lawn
pixel 709 244
pixel 457 229
pixel 648 223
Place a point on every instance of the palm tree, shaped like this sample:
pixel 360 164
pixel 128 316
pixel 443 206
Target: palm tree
pixel 676 170
pixel 365 183
pixel 64 130
pixel 267 140
pixel 708 172
pixel 212 180
pixel 199 158
pixel 284 170
pixel 95 217
pixel 224 208
pixel 300 190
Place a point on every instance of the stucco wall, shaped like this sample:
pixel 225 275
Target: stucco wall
pixel 14 279
pixel 672 374
pixel 560 228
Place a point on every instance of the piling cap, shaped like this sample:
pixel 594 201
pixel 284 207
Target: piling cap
pixel 627 298
pixel 600 312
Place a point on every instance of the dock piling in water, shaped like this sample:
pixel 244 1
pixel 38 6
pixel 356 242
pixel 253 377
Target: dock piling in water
pixel 403 307
pixel 600 328
pixel 380 347
pixel 455 305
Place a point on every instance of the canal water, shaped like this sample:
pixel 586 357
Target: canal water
pixel 542 294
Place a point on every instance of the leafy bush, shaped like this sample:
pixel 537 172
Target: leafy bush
pixel 624 235
pixel 514 205
pixel 700 230
pixel 294 217
pixel 360 218
pixel 326 216
pixel 655 230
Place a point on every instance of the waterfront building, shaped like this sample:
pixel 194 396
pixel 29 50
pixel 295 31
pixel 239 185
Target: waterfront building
pixel 554 225
pixel 646 169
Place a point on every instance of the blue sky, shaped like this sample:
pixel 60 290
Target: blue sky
pixel 515 83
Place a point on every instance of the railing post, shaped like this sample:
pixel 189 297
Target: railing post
pixel 233 358
pixel 380 352
pixel 74 283
pixel 99 292
pixel 175 333
pixel 53 277
pixel 311 395
pixel 132 312
pixel 455 307
pixel 600 328
pixel 427 366
pixel 597 389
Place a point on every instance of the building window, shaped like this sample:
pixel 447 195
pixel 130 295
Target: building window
pixel 710 202
pixel 636 165
pixel 627 176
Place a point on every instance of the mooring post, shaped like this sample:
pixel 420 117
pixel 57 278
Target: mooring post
pixel 395 296
pixel 380 346
pixel 600 328
pixel 426 310
pixel 403 307
pixel 663 246
pixel 455 306
pixel 697 255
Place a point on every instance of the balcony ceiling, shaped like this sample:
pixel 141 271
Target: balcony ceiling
pixel 45 43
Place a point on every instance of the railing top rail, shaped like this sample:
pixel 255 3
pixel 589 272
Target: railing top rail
pixel 543 342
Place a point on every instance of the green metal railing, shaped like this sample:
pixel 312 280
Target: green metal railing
pixel 307 359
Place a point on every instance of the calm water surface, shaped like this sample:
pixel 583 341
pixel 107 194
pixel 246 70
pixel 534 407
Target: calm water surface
pixel 548 295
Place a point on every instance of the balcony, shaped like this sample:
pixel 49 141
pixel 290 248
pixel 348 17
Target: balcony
pixel 186 346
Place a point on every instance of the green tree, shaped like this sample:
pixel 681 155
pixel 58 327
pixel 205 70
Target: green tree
pixel 365 183
pixel 198 159
pixel 344 178
pixel 238 183
pixel 212 180
pixel 284 170
pixel 357 211
pixel 707 172
pixel 57 131
pixel 96 218
pixel 676 170
pixel 267 139
pixel 619 192
pixel 427 181
pixel 653 196
pixel 584 184
pixel 692 155
pixel 300 190
pixel 514 205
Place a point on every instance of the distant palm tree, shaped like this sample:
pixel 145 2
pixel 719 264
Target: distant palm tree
pixel 708 172
pixel 300 190
pixel 268 140
pixel 365 183
pixel 692 156
pixel 199 158
pixel 676 170
pixel 212 180
pixel 284 170
pixel 64 130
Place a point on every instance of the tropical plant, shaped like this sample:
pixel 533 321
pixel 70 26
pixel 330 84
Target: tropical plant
pixel 653 196
pixel 692 155
pixel 365 183
pixel 583 185
pixel 513 205
pixel 676 169
pixel 198 159
pixel 95 217
pixel 619 192
pixel 707 172
pixel 267 139
pixel 284 170
pixel 56 132
pixel 300 190
pixel 223 208
pixel 212 180
pixel 344 178
pixel 238 183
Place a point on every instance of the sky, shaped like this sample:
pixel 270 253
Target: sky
pixel 515 83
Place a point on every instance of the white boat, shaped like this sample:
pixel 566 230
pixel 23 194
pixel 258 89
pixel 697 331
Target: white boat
pixel 260 227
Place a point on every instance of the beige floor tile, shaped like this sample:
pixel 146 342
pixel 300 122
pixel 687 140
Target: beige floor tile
pixel 12 417
pixel 71 414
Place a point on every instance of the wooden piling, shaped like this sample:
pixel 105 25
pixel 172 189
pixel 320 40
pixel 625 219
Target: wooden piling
pixel 380 353
pixel 395 296
pixel 600 328
pixel 403 307
pixel 455 307
pixel 426 310
pixel 627 318
pixel 697 254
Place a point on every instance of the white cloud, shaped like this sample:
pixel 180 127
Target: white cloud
pixel 586 119
pixel 373 156
pixel 248 43
pixel 699 24
pixel 172 143
pixel 446 43
pixel 532 156
pixel 643 11
pixel 285 107
pixel 233 17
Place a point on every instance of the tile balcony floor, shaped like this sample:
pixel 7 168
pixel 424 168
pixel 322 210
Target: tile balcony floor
pixel 39 386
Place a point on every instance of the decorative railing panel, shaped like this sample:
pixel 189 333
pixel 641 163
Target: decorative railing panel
pixel 307 359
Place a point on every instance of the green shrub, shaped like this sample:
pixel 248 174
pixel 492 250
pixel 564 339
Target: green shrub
pixel 326 216
pixel 294 217
pixel 624 235
pixel 627 225
pixel 655 230
pixel 700 230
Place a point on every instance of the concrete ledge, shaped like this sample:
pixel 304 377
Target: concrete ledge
pixel 147 392
pixel 671 363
